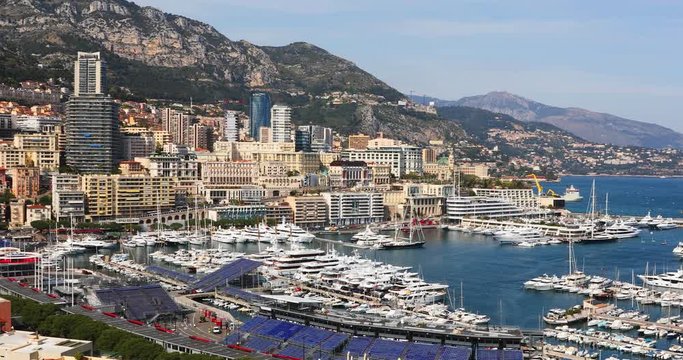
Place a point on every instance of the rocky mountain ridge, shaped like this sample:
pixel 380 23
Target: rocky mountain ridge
pixel 52 31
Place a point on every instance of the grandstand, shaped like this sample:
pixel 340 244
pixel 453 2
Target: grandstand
pixel 139 302
pixel 171 274
pixel 499 354
pixel 221 277
pixel 295 341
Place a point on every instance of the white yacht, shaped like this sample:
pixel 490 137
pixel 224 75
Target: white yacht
pixel 572 194
pixel 670 280
pixel 621 231
pixel 526 236
pixel 294 233
pixel 90 242
pixel 678 250
pixel 225 236
pixel 667 224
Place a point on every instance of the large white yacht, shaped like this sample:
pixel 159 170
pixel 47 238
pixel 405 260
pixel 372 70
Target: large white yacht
pixel 294 233
pixel 669 280
pixel 520 236
pixel 678 250
pixel 621 231
pixel 459 207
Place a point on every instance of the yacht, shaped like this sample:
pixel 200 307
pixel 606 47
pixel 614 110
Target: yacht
pixel 526 236
pixel 226 236
pixel 678 250
pixel 572 194
pixel 257 234
pixel 415 238
pixel 667 224
pixel 294 233
pixel 366 234
pixel 672 280
pixel 90 242
pixel 621 231
pixel 649 221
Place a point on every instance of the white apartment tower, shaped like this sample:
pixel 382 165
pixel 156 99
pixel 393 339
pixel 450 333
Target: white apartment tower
pixel 281 123
pixel 231 131
pixel 89 71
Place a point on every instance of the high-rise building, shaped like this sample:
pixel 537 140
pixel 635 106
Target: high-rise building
pixel 281 123
pixel 89 74
pixel 141 145
pixel 230 130
pixel 259 113
pixel 177 124
pixel 313 138
pixel 26 182
pixel 93 142
pixel 200 137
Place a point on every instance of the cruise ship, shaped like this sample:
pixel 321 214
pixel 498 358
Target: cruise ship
pixel 572 194
pixel 460 207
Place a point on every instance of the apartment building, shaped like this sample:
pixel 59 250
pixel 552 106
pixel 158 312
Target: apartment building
pixel 354 208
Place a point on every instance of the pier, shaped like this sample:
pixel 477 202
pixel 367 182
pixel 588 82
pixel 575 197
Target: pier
pixel 641 323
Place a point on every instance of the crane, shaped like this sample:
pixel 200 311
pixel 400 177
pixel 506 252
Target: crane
pixel 538 184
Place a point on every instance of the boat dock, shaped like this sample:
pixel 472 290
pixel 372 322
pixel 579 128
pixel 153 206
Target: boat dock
pixel 343 243
pixel 641 323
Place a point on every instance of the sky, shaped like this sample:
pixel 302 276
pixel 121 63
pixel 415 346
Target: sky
pixel 622 57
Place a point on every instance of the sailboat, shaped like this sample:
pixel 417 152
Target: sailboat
pixel 415 237
pixel 593 236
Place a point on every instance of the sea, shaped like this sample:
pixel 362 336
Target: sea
pixel 491 276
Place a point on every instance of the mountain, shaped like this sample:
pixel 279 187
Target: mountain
pixel 588 125
pixel 160 55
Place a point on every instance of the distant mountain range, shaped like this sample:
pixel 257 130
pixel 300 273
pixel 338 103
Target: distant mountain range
pixel 588 125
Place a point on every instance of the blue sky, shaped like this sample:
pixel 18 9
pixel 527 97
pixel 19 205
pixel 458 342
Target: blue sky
pixel 622 57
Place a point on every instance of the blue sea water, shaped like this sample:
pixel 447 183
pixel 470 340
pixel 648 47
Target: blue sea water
pixel 493 275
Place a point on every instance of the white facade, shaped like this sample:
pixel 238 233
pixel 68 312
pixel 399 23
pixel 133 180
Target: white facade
pixel 170 165
pixel 402 159
pixel 231 131
pixel 281 123
pixel 523 198
pixel 67 197
pixel 353 208
pixel 89 75
pixel 458 208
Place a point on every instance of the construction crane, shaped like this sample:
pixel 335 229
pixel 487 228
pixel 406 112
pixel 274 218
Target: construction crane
pixel 538 184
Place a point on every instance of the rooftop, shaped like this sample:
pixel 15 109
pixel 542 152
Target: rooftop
pixel 28 342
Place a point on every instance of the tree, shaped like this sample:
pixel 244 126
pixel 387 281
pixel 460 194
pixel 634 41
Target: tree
pixel 41 225
pixel 45 200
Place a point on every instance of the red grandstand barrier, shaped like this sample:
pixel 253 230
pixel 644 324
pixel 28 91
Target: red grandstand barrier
pixel 36 290
pixel 12 279
pixel 88 307
pixel 54 296
pixel 240 348
pixel 110 314
pixel 23 284
pixel 285 357
pixel 163 329
pixel 136 322
pixel 197 338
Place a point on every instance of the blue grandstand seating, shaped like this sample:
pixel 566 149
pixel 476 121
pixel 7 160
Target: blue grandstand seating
pixel 334 342
pixel 310 336
pixel 253 323
pixel 184 277
pixel 279 329
pixel 139 302
pixel 293 351
pixel 233 338
pixel 497 354
pixel 386 349
pixel 220 277
pixel 241 294
pixel 261 344
pixel 455 353
pixel 418 351
pixel 358 345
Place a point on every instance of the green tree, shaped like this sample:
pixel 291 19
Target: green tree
pixel 45 200
pixel 41 225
